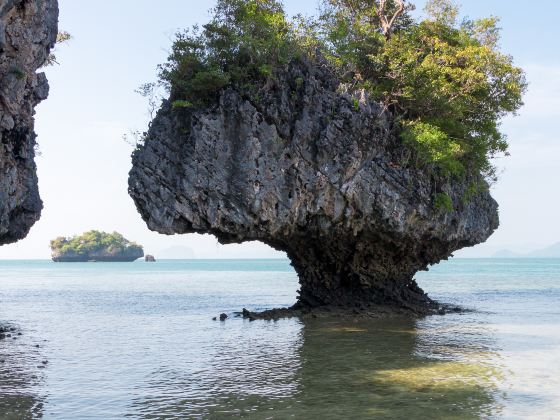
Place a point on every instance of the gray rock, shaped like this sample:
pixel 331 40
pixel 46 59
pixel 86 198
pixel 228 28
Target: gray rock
pixel 28 31
pixel 301 168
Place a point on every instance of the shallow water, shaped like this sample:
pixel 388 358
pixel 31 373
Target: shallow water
pixel 138 341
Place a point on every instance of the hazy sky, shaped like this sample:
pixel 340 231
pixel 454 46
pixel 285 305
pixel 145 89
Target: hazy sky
pixel 117 45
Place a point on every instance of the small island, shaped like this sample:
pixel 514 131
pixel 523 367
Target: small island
pixel 95 246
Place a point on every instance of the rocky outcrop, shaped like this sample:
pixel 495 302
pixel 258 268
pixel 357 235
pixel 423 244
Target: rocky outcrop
pixel 313 169
pixel 28 30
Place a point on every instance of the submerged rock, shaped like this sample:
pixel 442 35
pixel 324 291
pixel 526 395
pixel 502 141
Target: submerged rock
pixel 310 168
pixel 28 31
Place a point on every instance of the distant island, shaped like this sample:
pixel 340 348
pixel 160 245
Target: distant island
pixel 552 251
pixel 95 246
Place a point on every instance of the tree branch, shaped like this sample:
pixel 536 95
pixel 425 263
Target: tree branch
pixel 386 22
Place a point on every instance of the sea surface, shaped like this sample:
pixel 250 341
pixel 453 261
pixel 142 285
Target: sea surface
pixel 137 340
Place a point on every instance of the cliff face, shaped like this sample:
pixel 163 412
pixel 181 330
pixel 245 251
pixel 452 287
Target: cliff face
pixel 311 169
pixel 28 31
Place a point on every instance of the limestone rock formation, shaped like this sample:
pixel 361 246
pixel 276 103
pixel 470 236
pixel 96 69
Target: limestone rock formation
pixel 311 168
pixel 28 30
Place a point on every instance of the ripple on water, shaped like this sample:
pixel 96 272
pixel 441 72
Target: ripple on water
pixel 140 343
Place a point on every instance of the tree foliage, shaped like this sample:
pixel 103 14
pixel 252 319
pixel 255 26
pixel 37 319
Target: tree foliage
pixel 444 80
pixel 242 44
pixel 93 241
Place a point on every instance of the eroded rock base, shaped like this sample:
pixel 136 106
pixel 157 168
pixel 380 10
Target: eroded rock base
pixel 359 275
pixel 407 297
pixel 334 312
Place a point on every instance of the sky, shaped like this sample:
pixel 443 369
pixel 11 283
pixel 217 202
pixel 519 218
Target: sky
pixel 116 47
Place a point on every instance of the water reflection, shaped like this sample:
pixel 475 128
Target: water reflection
pixel 440 367
pixel 20 373
pixel 246 367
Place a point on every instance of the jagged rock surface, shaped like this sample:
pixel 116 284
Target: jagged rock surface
pixel 312 169
pixel 28 31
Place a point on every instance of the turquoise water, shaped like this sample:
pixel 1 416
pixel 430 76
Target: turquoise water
pixel 137 340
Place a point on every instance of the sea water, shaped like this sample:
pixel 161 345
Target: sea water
pixel 137 340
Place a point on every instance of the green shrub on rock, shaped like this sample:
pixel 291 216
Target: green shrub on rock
pixel 443 202
pixel 241 45
pixel 445 82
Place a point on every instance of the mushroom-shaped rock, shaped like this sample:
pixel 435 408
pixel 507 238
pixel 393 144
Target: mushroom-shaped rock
pixel 310 168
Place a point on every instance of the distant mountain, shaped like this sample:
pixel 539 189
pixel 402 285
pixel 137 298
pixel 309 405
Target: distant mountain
pixel 552 251
pixel 176 253
pixel 506 253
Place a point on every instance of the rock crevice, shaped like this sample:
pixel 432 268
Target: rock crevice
pixel 310 168
pixel 28 30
